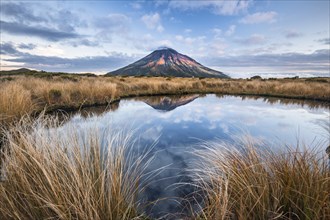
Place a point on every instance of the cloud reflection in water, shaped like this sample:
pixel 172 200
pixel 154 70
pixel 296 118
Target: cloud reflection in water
pixel 175 125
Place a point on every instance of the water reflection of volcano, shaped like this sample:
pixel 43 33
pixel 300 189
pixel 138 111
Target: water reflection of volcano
pixel 168 103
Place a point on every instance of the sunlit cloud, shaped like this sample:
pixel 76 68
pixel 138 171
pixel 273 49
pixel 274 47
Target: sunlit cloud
pixel 230 31
pixel 259 17
pixel 152 21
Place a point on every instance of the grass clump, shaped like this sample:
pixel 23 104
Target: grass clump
pixel 251 183
pixel 15 101
pixel 54 94
pixel 54 175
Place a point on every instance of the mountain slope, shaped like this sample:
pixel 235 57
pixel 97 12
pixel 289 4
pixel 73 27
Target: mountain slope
pixel 167 62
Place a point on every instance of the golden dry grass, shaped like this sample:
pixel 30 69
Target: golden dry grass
pixel 257 184
pixel 49 176
pixel 15 101
pixel 26 95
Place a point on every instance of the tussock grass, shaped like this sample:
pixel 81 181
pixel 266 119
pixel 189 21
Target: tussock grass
pixel 59 92
pixel 15 101
pixel 54 175
pixel 254 183
pixel 27 95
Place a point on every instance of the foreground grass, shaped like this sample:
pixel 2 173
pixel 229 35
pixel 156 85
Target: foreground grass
pixel 257 184
pixel 64 176
pixel 25 95
pixel 56 175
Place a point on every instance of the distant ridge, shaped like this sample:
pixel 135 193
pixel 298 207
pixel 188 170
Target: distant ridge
pixel 17 71
pixel 167 62
pixel 41 73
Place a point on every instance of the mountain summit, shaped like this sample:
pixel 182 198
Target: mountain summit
pixel 167 62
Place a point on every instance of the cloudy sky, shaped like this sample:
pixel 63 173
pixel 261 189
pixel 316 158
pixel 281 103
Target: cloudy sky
pixel 240 38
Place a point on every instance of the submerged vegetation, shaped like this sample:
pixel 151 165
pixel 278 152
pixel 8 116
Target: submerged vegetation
pixel 28 94
pixel 49 175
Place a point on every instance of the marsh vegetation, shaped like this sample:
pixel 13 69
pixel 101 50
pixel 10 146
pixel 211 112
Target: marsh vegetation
pixel 48 175
pixel 23 95
pixel 52 170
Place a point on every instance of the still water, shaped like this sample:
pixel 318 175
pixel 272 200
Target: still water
pixel 174 125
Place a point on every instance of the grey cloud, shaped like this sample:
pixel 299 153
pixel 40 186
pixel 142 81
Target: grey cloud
pixel 292 34
pixel 113 24
pixel 221 7
pixel 63 19
pixel 59 24
pixel 264 49
pixel 316 61
pixel 66 20
pixel 37 31
pixel 27 46
pixel 106 63
pixel 74 63
pixel 84 42
pixel 112 21
pixel 52 63
pixel 39 20
pixel 7 48
pixel 20 12
pixel 324 41
pixel 254 39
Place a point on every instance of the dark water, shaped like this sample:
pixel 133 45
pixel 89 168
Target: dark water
pixel 175 125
